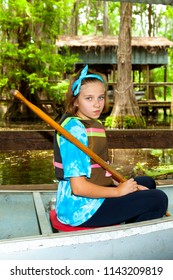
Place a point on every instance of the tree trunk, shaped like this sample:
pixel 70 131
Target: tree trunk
pixel 125 106
pixel 18 111
pixel 74 19
pixel 105 18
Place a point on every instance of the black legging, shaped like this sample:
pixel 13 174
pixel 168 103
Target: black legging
pixel 134 207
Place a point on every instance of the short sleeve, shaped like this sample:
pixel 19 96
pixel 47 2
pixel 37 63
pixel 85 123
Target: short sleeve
pixel 75 161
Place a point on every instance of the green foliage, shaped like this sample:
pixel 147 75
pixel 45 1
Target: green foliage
pixel 58 91
pixel 168 22
pixel 29 58
pixel 148 20
pixel 29 29
pixel 127 122
pixel 3 82
pixel 155 172
pixel 112 122
pixel 114 18
pixel 158 75
pixel 91 17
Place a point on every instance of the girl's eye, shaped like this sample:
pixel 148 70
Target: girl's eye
pixel 90 98
pixel 102 97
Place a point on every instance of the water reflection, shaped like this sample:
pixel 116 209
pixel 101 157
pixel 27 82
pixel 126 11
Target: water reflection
pixel 26 167
pixel 35 167
pixel 159 121
pixel 131 162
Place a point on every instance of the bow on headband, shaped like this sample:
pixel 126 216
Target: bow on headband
pixel 83 75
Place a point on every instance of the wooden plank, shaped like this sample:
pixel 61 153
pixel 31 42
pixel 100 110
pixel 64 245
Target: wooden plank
pixel 154 103
pixel 140 138
pixel 29 187
pixel 117 139
pixel 164 182
pixel 150 104
pixel 26 140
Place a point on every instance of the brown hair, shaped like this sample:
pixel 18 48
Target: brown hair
pixel 70 98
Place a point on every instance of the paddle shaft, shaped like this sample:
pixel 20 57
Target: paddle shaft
pixel 116 175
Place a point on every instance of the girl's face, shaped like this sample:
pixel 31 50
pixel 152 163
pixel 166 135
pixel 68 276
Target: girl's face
pixel 91 100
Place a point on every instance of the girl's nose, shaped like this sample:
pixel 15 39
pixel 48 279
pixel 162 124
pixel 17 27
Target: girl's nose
pixel 96 103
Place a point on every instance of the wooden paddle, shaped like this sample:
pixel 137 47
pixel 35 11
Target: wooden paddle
pixel 116 175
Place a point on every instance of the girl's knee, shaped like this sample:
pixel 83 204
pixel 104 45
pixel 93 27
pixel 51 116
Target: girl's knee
pixel 161 200
pixel 146 181
pixel 163 196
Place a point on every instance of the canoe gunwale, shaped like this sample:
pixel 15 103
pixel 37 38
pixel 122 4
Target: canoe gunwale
pixel 62 240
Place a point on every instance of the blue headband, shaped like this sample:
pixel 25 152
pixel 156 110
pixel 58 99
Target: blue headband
pixel 83 75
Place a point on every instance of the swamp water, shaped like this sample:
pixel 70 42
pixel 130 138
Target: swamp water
pixel 36 167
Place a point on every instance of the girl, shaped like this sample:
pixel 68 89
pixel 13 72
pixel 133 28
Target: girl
pixel 87 195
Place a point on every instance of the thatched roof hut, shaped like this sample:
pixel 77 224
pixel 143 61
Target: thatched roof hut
pixel 102 50
pixel 107 41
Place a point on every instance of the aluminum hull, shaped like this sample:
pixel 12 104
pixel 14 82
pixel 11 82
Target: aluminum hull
pixel 143 241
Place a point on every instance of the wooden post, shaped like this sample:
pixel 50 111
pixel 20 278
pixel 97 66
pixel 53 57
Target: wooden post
pixel 171 100
pixel 165 80
pixel 148 80
pixel 171 108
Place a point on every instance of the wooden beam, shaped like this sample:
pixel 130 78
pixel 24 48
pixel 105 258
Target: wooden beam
pixel 26 140
pixel 117 139
pixel 151 84
pixel 140 138
pixel 29 187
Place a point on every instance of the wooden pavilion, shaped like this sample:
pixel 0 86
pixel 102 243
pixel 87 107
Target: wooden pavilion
pixel 100 52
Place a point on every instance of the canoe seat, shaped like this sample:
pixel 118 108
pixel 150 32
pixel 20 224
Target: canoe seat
pixel 58 226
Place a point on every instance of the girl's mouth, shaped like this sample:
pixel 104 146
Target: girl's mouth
pixel 97 112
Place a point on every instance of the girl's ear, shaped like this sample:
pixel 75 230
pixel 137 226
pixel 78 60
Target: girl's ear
pixel 76 103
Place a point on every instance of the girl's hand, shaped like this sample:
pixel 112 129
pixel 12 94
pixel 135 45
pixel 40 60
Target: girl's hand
pixel 115 183
pixel 142 188
pixel 127 187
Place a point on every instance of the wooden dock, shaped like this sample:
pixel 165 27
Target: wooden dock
pixel 152 106
pixel 154 103
pixel 147 106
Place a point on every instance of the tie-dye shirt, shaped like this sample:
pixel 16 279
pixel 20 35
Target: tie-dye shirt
pixel 71 209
